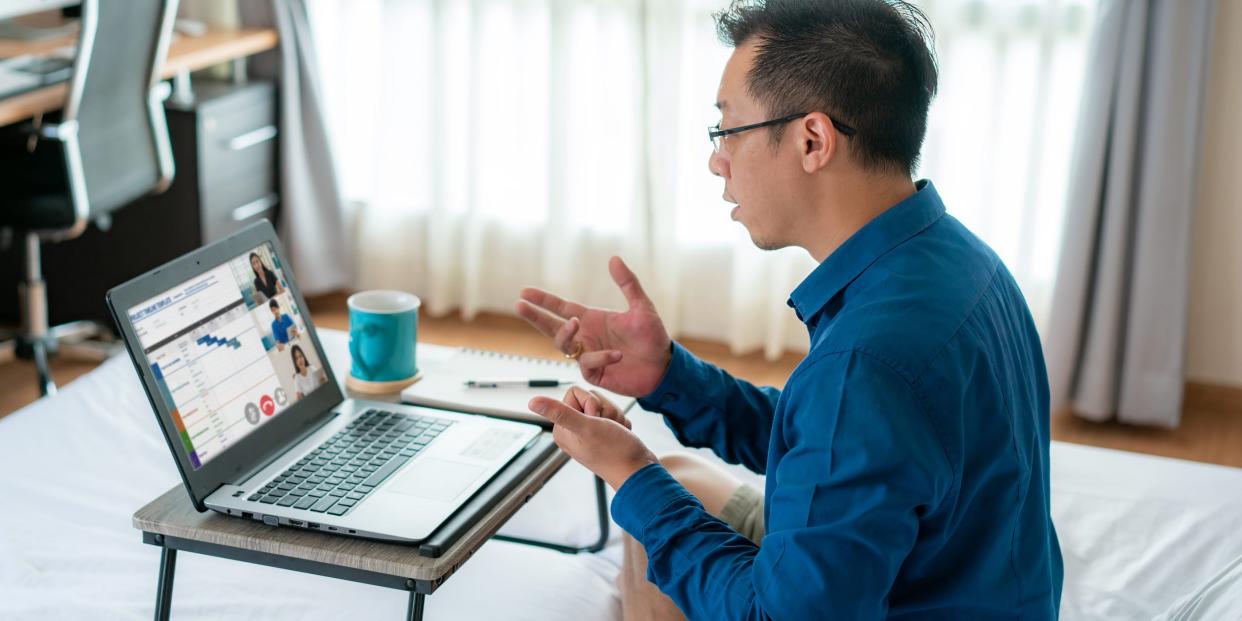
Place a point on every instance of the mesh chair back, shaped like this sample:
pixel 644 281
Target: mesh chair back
pixel 122 136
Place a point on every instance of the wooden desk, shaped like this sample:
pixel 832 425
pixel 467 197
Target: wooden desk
pixel 184 54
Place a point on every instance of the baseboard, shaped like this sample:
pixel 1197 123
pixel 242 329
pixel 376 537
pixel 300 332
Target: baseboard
pixel 1212 398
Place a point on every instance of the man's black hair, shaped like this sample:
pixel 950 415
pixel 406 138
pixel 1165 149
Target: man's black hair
pixel 274 304
pixel 867 63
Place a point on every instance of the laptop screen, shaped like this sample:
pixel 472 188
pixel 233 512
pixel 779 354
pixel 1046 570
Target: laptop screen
pixel 229 351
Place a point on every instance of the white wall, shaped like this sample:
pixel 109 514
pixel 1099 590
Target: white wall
pixel 1214 345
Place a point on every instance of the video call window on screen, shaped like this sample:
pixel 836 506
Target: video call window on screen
pixel 229 351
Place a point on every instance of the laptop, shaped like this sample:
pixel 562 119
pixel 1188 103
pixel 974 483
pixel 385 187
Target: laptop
pixel 260 428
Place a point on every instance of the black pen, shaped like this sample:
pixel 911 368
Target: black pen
pixel 523 383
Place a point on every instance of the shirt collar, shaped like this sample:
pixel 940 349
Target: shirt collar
pixel 883 233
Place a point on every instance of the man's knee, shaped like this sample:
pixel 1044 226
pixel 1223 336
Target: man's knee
pixel 707 481
pixel 680 463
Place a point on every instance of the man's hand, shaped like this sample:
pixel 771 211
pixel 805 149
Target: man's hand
pixel 595 434
pixel 625 352
pixel 593 403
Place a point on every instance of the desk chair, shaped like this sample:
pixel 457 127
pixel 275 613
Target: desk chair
pixel 109 148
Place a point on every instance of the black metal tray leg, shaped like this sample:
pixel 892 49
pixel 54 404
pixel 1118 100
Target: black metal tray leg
pixel 415 611
pixel 163 591
pixel 601 508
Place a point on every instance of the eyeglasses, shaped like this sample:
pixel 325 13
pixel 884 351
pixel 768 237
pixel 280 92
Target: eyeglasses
pixel 715 134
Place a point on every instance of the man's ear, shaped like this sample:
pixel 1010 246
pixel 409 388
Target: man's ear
pixel 818 141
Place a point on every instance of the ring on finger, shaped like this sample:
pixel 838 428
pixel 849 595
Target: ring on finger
pixel 577 351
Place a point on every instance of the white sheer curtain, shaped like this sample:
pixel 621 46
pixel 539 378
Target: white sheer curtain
pixel 1001 130
pixel 488 145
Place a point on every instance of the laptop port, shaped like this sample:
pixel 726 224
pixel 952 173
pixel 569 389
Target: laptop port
pixel 312 525
pixel 247 515
pixel 332 528
pixel 296 523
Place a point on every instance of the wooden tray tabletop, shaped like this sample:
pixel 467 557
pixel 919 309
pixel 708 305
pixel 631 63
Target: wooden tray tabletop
pixel 173 515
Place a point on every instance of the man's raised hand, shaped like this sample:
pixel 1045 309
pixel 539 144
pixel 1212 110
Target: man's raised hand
pixel 626 352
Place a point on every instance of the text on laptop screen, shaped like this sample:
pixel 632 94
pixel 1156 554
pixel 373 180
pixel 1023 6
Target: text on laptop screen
pixel 229 351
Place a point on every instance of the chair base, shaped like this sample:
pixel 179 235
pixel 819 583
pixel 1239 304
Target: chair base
pixel 79 340
pixel 89 340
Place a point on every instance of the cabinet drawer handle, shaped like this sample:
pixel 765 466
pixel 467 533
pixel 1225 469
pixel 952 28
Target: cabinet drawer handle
pixel 251 138
pixel 254 208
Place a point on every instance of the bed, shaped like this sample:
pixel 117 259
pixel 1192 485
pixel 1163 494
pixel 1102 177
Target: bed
pixel 1137 532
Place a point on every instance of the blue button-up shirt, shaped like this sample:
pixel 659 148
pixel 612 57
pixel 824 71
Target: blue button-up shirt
pixel 906 457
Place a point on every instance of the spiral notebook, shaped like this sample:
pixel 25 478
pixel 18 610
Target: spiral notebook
pixel 443 384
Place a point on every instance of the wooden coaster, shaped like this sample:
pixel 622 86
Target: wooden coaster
pixel 379 388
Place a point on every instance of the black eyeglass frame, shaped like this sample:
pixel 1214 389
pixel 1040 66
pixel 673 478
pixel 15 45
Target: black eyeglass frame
pixel 715 132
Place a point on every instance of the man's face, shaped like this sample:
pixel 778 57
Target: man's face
pixel 761 180
pixel 276 312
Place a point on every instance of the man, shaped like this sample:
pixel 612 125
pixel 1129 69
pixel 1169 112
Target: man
pixel 906 459
pixel 283 328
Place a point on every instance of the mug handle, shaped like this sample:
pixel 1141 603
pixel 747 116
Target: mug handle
pixel 367 329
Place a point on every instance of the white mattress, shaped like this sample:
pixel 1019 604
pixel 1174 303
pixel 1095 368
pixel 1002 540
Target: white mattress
pixel 1137 531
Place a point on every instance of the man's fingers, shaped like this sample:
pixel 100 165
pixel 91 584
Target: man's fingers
pixel 557 412
pixel 610 410
pixel 565 336
pixel 594 403
pixel 559 306
pixel 587 402
pixel 597 360
pixel 575 397
pixel 628 283
pixel 545 322
pixel 602 399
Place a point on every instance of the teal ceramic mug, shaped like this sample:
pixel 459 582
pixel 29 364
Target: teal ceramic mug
pixel 383 333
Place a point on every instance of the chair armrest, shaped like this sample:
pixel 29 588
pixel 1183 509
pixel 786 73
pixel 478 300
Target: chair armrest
pixel 57 131
pixel 50 131
pixel 162 91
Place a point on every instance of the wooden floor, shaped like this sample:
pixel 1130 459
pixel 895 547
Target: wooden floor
pixel 1211 428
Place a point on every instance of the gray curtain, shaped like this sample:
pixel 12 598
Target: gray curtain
pixel 312 220
pixel 1116 340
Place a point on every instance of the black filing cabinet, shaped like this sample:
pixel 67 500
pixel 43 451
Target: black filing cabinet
pixel 225 150
pixel 231 138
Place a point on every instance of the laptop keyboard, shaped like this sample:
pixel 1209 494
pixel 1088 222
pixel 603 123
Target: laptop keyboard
pixel 347 467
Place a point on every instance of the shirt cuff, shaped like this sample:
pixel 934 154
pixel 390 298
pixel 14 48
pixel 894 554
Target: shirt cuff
pixel 643 496
pixel 683 368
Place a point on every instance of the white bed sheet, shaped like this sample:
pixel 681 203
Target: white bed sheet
pixel 1137 532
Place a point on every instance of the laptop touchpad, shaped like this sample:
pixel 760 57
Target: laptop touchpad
pixel 436 479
